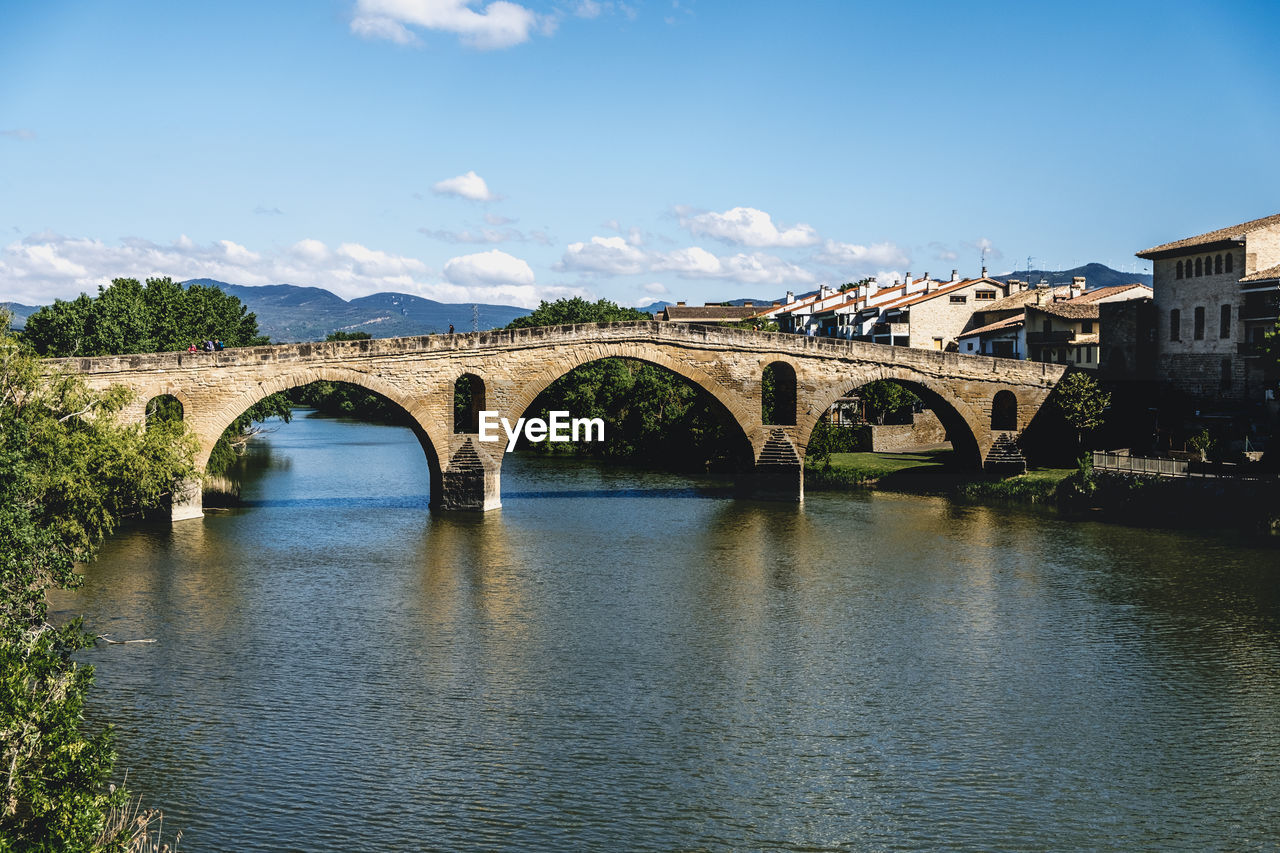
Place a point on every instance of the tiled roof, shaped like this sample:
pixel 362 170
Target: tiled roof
pixel 1105 292
pixel 1068 309
pixel 1235 232
pixel 1017 300
pixel 712 313
pixel 1000 325
pixel 1263 275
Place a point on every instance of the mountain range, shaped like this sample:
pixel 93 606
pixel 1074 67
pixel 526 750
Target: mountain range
pixel 288 312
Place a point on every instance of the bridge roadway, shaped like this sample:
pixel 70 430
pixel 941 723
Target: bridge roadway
pixel 513 366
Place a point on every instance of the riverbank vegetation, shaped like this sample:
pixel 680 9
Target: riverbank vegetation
pixel 68 474
pixel 129 317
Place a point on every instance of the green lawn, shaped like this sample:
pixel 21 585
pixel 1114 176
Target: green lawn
pixel 931 470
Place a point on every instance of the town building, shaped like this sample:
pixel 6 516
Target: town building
pixel 709 313
pixel 1216 295
pixel 1061 325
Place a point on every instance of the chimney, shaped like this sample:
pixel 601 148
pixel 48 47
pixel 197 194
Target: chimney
pixel 791 296
pixel 907 280
pixel 984 272
pixel 1077 286
pixel 955 275
pixel 679 304
pixel 926 276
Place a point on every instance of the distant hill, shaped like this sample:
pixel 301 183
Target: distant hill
pixel 287 312
pixel 1095 276
pixel 20 313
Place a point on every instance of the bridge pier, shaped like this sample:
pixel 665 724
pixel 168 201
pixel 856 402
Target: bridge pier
pixel 471 483
pixel 187 500
pixel 778 472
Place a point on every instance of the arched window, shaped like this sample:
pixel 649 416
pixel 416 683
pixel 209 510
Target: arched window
pixel 1217 264
pixel 468 402
pixel 1179 275
pixel 1229 264
pixel 778 394
pixel 1004 411
pixel 163 409
pixel 1175 325
pixel 1199 267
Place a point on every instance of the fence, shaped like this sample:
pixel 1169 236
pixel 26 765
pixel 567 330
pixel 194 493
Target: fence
pixel 1123 463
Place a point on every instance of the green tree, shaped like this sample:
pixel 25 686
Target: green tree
pixel 68 472
pixel 565 312
pixel 1081 402
pixel 160 316
pixel 883 397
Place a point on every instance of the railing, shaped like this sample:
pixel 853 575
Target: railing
pixel 1122 463
pixel 1059 337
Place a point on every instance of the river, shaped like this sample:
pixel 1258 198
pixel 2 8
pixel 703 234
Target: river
pixel 619 660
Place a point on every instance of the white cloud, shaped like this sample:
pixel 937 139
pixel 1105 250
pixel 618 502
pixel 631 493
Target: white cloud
pixel 657 288
pixel 19 133
pixel 487 235
pixel 851 257
pixel 268 211
pixel 982 244
pixel 497 220
pixel 617 256
pixel 493 267
pixel 747 226
pixel 610 255
pixel 587 9
pixel 470 186
pixel 500 24
pixel 48 266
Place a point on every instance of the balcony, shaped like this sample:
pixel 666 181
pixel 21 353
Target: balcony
pixel 1062 337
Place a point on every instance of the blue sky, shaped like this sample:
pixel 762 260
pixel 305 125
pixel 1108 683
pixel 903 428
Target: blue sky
pixel 508 152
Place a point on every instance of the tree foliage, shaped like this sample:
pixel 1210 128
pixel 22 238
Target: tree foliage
pixel 68 472
pixel 1081 402
pixel 128 317
pixel 565 312
pixel 160 316
pixel 883 397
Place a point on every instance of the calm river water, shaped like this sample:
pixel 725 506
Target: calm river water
pixel 627 661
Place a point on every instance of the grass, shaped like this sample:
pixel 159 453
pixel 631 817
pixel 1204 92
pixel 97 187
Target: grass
pixel 931 470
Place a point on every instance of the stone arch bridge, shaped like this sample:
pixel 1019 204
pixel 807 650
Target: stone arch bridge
pixel 514 366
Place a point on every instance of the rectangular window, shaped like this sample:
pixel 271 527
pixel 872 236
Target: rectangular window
pixel 1087 327
pixel 984 295
pixel 958 300
pixel 1175 325
pixel 970 346
pixel 1224 325
pixel 1199 323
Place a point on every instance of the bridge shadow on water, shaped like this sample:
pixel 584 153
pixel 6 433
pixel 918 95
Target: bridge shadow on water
pixel 421 501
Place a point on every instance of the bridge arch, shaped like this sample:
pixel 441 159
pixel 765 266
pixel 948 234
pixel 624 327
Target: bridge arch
pixel 210 424
pixel 965 429
pixel 734 405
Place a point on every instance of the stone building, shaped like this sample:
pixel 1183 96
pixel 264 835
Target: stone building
pixel 1215 297
pixel 709 313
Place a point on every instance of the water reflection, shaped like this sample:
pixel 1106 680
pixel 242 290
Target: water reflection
pixel 624 660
